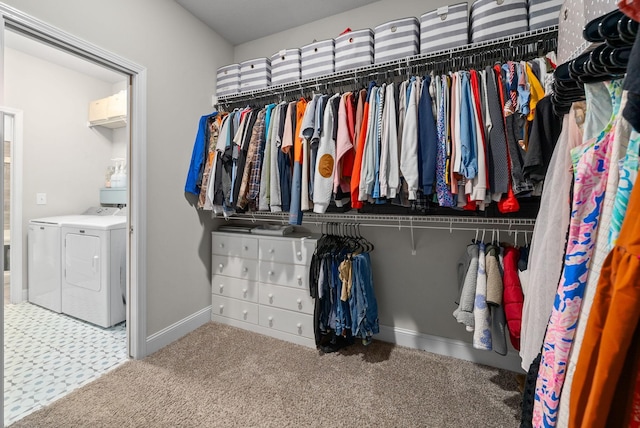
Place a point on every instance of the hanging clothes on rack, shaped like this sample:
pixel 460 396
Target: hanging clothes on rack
pixel 341 282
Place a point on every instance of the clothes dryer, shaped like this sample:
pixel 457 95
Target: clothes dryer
pixel 94 269
pixel 44 255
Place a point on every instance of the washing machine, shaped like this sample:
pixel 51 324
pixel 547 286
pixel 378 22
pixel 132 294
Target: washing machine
pixel 44 256
pixel 93 285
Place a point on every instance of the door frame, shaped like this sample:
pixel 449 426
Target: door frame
pixel 15 20
pixel 15 217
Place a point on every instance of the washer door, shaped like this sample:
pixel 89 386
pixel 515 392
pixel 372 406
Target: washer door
pixel 82 265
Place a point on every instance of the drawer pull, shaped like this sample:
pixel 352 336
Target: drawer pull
pixel 246 248
pixel 222 245
pixel 299 254
pixel 299 280
pixel 244 291
pixel 270 319
pixel 221 288
pixel 271 251
pixel 221 266
pixel 270 273
pixel 299 301
pixel 299 325
pixel 245 312
pixel 245 270
pixel 270 296
pixel 221 308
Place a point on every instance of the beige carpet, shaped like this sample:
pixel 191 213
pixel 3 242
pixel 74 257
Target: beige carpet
pixel 219 376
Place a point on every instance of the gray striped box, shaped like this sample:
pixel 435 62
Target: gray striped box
pixel 317 59
pixel 544 13
pixel 228 80
pixel 444 28
pixel 354 49
pixel 255 74
pixel 396 39
pixel 285 66
pixel 493 19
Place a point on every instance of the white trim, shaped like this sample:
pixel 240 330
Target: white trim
pixel 449 347
pixel 179 329
pixel 15 217
pixel 16 20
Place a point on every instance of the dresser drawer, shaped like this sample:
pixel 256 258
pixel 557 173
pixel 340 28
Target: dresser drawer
pixel 296 276
pixel 234 245
pixel 234 266
pixel 285 298
pixel 234 287
pixel 236 309
pixel 287 321
pixel 298 251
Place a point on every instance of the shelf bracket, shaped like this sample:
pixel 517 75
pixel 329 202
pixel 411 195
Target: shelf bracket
pixel 413 242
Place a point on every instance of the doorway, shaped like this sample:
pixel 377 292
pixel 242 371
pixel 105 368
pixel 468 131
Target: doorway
pixel 26 25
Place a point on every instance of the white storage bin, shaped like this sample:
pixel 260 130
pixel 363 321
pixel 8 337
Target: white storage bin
pixel 354 49
pixel 543 13
pixel 444 28
pixel 317 59
pixel 493 19
pixel 255 74
pixel 228 80
pixel 285 66
pixel 396 39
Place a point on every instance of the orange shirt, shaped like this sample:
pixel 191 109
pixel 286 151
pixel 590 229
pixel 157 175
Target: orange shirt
pixel 357 163
pixel 297 146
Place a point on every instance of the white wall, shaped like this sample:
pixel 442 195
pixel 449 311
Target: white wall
pixel 181 55
pixel 363 17
pixel 62 156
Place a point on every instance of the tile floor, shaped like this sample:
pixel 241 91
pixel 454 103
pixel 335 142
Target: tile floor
pixel 48 355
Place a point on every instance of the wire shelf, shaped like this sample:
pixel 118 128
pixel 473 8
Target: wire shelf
pixel 518 43
pixel 397 219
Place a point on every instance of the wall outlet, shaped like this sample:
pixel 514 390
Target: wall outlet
pixel 41 198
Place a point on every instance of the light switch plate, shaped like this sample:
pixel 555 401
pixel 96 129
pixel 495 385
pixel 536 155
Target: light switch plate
pixel 41 198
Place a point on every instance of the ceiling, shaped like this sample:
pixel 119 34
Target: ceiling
pixel 240 21
pixel 48 53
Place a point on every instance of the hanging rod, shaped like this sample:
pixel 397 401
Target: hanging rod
pixel 518 42
pixel 398 219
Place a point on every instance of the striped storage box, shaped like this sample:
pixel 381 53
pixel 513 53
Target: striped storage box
pixel 543 13
pixel 492 19
pixel 255 74
pixel 354 49
pixel 444 28
pixel 285 66
pixel 318 59
pixel 396 39
pixel 228 80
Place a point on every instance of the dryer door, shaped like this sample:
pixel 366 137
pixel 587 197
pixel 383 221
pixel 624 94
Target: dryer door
pixel 82 261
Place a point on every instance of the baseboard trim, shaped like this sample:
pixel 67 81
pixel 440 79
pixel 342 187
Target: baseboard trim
pixel 175 331
pixel 449 347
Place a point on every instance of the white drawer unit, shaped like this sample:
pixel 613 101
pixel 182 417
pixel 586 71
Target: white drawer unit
pixel 235 267
pixel 286 251
pixel 295 276
pixel 285 298
pixel 235 245
pixel 235 309
pixel 234 287
pixel 261 283
pixel 289 322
